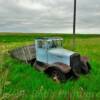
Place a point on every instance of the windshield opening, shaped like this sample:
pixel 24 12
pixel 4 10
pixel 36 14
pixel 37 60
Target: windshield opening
pixel 41 44
pixel 55 44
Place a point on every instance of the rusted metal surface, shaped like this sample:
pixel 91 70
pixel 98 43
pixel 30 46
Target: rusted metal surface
pixel 63 67
pixel 40 66
pixel 84 59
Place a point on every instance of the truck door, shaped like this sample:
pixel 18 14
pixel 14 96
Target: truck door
pixel 41 51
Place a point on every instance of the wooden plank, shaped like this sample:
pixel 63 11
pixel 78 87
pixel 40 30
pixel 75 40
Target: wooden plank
pixel 24 53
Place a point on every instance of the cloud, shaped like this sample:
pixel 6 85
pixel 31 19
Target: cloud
pixel 49 15
pixel 28 4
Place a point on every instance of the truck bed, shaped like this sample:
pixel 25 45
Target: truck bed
pixel 26 53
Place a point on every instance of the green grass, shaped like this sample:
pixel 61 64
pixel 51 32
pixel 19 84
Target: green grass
pixel 19 81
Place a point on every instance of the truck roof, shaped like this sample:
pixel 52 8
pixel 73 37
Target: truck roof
pixel 49 38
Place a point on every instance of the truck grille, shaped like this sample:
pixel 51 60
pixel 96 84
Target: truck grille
pixel 74 59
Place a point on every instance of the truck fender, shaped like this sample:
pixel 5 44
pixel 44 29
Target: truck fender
pixel 84 59
pixel 86 67
pixel 63 67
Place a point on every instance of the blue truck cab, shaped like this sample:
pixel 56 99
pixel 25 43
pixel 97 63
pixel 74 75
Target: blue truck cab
pixel 50 50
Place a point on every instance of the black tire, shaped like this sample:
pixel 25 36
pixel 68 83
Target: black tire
pixel 89 66
pixel 52 72
pixel 76 70
pixel 31 62
pixel 86 68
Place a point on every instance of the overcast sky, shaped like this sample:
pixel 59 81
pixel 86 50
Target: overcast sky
pixel 49 16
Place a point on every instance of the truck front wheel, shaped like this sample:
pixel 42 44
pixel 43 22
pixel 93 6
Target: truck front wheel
pixel 56 74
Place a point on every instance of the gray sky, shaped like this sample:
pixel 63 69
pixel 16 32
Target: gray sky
pixel 49 16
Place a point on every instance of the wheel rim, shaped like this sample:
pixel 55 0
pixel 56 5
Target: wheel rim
pixel 55 76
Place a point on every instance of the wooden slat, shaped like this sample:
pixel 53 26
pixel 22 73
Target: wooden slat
pixel 25 53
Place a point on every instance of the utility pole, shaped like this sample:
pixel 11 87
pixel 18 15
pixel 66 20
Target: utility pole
pixel 74 24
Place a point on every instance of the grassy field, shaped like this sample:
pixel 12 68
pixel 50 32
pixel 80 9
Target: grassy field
pixel 19 81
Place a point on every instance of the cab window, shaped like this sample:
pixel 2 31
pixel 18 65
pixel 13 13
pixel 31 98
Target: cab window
pixel 41 44
pixel 55 44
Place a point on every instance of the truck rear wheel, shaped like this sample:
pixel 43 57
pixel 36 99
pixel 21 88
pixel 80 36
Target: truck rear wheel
pixel 32 61
pixel 56 74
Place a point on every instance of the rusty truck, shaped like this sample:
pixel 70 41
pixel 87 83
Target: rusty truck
pixel 49 56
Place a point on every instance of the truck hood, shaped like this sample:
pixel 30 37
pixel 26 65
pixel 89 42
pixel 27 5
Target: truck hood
pixel 60 52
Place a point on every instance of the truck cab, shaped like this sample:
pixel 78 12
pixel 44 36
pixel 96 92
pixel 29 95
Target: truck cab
pixel 50 51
